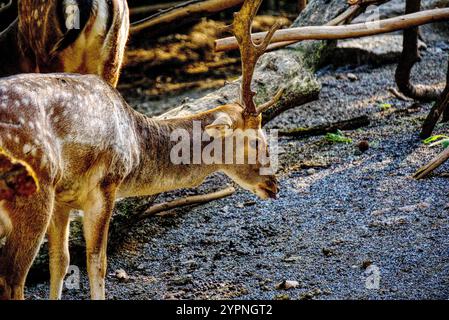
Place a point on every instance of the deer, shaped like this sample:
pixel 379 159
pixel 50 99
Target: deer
pixel 78 145
pixel 73 36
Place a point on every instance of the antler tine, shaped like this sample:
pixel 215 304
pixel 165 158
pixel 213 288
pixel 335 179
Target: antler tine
pixel 267 40
pixel 250 54
pixel 267 105
pixel 248 50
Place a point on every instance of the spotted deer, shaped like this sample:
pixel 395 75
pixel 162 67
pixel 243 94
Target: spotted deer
pixel 75 36
pixel 83 147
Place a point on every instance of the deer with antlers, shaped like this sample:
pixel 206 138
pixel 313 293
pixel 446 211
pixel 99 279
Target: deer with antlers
pixel 72 155
pixel 76 36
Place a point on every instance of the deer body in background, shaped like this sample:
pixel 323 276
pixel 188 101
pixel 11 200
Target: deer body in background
pixel 84 147
pixel 75 36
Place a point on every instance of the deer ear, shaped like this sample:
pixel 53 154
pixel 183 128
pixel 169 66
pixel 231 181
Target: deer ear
pixel 221 127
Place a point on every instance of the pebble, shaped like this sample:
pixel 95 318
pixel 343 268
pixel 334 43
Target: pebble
pixel 121 275
pixel 287 284
pixel 310 171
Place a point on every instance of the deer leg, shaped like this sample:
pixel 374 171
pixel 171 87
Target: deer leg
pixel 29 218
pixel 97 213
pixel 58 247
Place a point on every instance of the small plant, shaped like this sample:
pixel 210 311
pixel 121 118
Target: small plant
pixel 338 137
pixel 385 106
pixel 437 140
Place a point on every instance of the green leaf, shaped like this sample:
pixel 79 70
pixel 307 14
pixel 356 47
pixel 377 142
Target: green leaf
pixel 434 138
pixel 338 137
pixel 385 106
pixel 445 143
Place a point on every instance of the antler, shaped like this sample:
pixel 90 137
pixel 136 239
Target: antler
pixel 250 54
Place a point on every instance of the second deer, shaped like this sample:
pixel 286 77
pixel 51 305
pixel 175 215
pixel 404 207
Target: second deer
pixel 85 157
pixel 75 36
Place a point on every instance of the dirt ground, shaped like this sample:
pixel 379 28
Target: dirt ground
pixel 343 216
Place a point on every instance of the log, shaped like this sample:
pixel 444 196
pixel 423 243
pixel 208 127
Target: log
pixel 344 32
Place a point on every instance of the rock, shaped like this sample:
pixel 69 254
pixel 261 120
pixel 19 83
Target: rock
pixel 282 297
pixel 410 208
pixel 352 77
pixel 366 264
pixel 292 259
pixel 310 171
pixel 363 145
pixel 140 267
pixel 239 205
pixel 423 205
pixel 121 275
pixel 182 280
pixel 287 284
pixel 327 252
pixel 310 294
pixel 375 50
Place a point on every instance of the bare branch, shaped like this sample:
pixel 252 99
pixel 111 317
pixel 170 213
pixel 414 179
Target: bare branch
pixel 187 201
pixel 432 165
pixel 181 13
pixel 344 32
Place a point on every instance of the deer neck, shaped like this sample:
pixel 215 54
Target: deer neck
pixel 156 171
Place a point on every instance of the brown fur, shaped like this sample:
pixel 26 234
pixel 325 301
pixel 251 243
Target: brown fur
pixel 96 50
pixel 87 147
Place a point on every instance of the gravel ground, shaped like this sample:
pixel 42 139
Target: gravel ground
pixel 343 216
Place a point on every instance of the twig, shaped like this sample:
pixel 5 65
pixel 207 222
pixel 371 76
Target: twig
pixel 152 8
pixel 178 203
pixel 182 13
pixel 187 201
pixel 432 165
pixel 350 124
pixel 344 32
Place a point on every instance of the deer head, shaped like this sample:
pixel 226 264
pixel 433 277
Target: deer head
pixel 254 176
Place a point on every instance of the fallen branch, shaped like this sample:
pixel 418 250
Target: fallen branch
pixel 181 14
pixel 432 165
pixel 175 204
pixel 187 201
pixel 351 124
pixel 344 32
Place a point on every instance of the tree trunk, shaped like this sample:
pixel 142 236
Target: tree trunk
pixel 293 67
